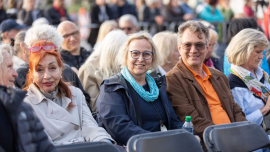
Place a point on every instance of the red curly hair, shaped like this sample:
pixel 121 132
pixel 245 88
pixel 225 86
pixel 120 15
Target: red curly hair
pixel 35 58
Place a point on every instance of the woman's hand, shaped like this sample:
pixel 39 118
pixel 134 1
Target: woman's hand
pixel 198 138
pixel 266 108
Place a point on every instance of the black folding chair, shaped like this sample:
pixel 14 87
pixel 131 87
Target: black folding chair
pixel 170 141
pixel 235 137
pixel 88 147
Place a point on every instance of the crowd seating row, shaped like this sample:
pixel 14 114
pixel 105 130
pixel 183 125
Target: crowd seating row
pixel 233 137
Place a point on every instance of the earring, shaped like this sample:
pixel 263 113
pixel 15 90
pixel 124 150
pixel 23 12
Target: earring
pixel 33 81
pixel 61 77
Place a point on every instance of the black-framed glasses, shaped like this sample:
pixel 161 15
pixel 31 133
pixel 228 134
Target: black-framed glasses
pixel 147 55
pixel 76 34
pixel 126 28
pixel 199 46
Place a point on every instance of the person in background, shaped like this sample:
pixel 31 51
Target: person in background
pixel 8 29
pixel 125 8
pixel 128 23
pixel 210 13
pixel 211 60
pixel 235 27
pixel 100 12
pixel 248 9
pixel 132 102
pixel 21 52
pixel 105 28
pixel 173 12
pixel 49 33
pixel 12 10
pixel 101 65
pixel 140 6
pixel 166 42
pixel 3 14
pixel 186 8
pixel 69 120
pixel 151 12
pixel 250 84
pixel 72 53
pixel 225 10
pixel 195 90
pixel 7 72
pixel 266 22
pixel 15 114
pixel 28 14
pixel 57 13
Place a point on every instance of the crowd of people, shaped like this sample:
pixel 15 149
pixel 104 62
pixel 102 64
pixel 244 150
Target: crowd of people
pixel 55 92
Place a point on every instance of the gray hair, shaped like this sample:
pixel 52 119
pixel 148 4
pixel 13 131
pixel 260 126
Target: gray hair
pixel 123 52
pixel 43 32
pixel 150 2
pixel 17 41
pixel 243 43
pixel 129 18
pixel 4 48
pixel 194 26
pixel 40 21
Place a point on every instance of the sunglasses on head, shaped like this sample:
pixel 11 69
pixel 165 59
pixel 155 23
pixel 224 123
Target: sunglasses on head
pixel 45 48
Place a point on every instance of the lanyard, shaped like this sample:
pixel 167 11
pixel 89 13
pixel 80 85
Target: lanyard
pixel 162 126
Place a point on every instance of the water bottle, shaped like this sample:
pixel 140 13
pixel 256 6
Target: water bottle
pixel 188 125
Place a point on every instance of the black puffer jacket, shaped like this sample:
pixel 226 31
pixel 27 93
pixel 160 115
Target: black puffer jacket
pixel 27 129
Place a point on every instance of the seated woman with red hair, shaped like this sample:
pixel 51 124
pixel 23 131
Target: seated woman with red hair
pixel 60 107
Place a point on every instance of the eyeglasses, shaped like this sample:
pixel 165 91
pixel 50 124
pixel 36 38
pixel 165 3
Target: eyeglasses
pixel 127 28
pixel 215 46
pixel 147 55
pixel 45 48
pixel 75 34
pixel 199 46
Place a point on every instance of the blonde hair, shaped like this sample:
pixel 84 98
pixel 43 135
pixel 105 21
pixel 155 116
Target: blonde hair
pixel 243 43
pixel 105 28
pixel 123 52
pixel 107 52
pixel 43 32
pixel 4 48
pixel 166 42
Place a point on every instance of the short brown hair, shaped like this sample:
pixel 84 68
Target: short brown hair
pixel 194 26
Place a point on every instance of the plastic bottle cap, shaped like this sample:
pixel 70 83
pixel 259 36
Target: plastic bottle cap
pixel 188 118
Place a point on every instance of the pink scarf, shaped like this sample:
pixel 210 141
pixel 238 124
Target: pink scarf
pixel 209 63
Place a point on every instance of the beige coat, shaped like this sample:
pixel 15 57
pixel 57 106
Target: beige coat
pixel 63 126
pixel 91 80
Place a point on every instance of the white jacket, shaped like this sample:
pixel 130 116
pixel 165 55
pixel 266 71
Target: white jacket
pixel 64 126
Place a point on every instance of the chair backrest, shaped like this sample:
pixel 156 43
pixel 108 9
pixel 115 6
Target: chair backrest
pixel 88 147
pixel 239 136
pixel 169 141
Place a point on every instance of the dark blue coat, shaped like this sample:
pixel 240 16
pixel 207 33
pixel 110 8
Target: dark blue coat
pixel 116 112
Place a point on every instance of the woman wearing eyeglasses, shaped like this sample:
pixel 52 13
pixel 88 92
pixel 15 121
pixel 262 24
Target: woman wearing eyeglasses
pixel 211 59
pixel 132 102
pixel 61 108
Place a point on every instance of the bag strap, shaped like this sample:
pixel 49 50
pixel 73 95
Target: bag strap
pixel 136 104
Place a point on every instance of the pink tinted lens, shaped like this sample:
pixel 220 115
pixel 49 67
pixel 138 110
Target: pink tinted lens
pixel 35 49
pixel 48 47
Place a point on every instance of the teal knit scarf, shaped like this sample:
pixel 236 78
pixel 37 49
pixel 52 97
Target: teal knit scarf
pixel 149 97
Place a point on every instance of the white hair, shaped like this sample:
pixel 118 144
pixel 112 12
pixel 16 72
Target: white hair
pixel 4 48
pixel 150 2
pixel 129 18
pixel 40 21
pixel 106 53
pixel 43 32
